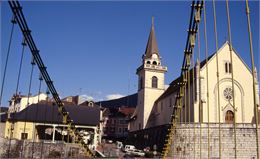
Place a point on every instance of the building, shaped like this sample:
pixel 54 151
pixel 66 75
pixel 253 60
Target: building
pixel 155 103
pixel 243 84
pixel 76 100
pixel 116 115
pixel 42 121
pixel 151 120
pixel 150 83
pixel 115 122
pixel 19 102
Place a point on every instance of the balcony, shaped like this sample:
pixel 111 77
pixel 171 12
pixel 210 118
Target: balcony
pixel 149 66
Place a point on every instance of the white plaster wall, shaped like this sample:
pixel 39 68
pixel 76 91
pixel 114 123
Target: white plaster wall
pixel 243 85
pixel 243 88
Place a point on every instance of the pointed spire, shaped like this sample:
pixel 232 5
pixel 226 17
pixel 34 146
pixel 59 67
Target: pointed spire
pixel 151 46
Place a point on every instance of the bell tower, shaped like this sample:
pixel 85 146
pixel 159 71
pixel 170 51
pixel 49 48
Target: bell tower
pixel 150 82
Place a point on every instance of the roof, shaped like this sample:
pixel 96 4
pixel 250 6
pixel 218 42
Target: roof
pixel 3 109
pixel 126 110
pixel 151 46
pixel 119 112
pixel 128 101
pixel 42 113
pixel 174 84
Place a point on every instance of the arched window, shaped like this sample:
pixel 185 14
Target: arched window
pixel 229 118
pixel 154 82
pixel 148 62
pixel 154 63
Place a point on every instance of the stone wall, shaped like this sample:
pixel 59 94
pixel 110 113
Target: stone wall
pixel 28 149
pixel 187 141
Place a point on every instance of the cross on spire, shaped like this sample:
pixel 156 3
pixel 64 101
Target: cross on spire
pixel 152 21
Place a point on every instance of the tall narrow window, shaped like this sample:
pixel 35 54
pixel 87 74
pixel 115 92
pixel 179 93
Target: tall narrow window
pixel 24 136
pixel 154 82
pixel 230 68
pixel 226 67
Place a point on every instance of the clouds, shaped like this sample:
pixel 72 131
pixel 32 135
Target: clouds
pixel 86 98
pixel 114 96
pixel 99 97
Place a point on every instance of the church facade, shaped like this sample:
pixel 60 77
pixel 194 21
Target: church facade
pixel 155 101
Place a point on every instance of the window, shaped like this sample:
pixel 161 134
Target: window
pixel 119 130
pixel 148 62
pixel 154 63
pixel 229 118
pixel 228 94
pixel 112 129
pixel 154 82
pixel 228 67
pixel 24 136
pixel 161 106
pixel 122 122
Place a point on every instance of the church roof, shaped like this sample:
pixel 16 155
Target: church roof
pixel 151 46
pixel 174 84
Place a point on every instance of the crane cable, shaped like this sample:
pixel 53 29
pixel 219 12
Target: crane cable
pixel 193 101
pixel 253 75
pixel 207 72
pixel 199 88
pixel 16 93
pixel 37 109
pixel 45 116
pixel 28 102
pixel 217 65
pixel 189 104
pixel 13 21
pixel 232 75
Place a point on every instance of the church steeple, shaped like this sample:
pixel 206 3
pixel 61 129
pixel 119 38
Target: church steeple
pixel 150 82
pixel 151 47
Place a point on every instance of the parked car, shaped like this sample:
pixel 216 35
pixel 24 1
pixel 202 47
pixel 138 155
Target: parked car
pixel 119 144
pixel 138 153
pixel 128 147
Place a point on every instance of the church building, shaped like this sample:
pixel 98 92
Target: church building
pixel 155 101
pixel 150 83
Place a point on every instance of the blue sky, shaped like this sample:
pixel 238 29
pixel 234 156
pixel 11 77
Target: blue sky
pixel 94 48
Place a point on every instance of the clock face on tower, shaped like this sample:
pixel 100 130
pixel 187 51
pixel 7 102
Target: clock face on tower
pixel 228 94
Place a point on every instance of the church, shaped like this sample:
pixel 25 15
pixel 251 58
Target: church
pixel 156 101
